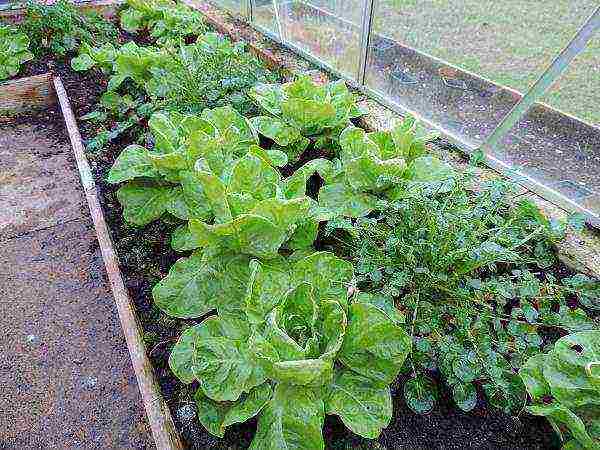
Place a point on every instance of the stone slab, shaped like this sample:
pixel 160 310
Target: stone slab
pixel 39 187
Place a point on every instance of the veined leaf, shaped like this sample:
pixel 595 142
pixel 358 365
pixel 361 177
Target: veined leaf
pixel 133 162
pixel 142 202
pixel 329 276
pixel 374 346
pixel 275 130
pixel 215 416
pixel 292 420
pixel 225 368
pixel 200 283
pixel 364 407
pixel 339 200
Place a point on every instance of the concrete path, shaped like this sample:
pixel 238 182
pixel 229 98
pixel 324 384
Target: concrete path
pixel 66 380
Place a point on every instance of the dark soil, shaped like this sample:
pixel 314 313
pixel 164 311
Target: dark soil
pixel 146 256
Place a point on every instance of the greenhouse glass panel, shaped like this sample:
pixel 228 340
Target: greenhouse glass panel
pixel 233 6
pixel 265 15
pixel 564 152
pixel 328 30
pixel 463 64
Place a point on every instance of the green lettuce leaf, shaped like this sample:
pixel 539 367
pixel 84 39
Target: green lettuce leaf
pixel 364 406
pixel 292 420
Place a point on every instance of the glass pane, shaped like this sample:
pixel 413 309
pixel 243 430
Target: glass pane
pixel 233 6
pixel 462 63
pixel 263 15
pixel 329 30
pixel 563 152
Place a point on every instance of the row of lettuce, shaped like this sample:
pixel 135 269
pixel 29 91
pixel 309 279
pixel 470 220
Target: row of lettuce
pixel 293 338
pixel 300 333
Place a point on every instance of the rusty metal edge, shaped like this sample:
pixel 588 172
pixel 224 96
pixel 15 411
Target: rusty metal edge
pixel 166 436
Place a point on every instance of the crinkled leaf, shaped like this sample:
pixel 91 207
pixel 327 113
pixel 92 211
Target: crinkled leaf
pixel 429 168
pixel 276 130
pixel 328 275
pixel 374 346
pixel 166 137
pixel 248 234
pixel 533 377
pixel 133 162
pixel 572 369
pixel 215 416
pixel 364 407
pixel 370 174
pixel 269 281
pixel 225 368
pixel 143 203
pixel 251 174
pixel 181 360
pixel 182 239
pixel 199 283
pixel 292 420
pixel 339 200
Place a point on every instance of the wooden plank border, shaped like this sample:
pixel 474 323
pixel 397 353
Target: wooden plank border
pixel 26 94
pixel 164 432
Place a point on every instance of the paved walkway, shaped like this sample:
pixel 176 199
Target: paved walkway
pixel 66 381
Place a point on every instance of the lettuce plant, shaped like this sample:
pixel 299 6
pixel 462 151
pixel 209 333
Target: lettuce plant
pixel 301 110
pixel 88 57
pixel 161 180
pixel 168 22
pixel 378 165
pixel 289 346
pixel 564 386
pixel 255 211
pixel 14 51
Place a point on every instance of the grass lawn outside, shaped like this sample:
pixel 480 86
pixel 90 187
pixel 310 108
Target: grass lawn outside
pixel 509 42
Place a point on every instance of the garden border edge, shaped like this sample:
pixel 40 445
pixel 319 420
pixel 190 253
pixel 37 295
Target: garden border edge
pixel 164 432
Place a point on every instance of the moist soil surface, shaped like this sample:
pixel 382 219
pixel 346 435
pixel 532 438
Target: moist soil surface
pixel 146 256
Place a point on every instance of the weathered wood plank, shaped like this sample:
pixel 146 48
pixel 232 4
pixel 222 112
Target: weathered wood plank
pixel 26 94
pixel 165 434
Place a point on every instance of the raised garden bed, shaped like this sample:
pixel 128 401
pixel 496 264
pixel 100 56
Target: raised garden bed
pixel 145 256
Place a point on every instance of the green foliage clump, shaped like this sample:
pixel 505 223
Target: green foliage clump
pixel 189 78
pixel 14 51
pixel 123 113
pixel 289 346
pixel 302 110
pixel 463 270
pixel 564 385
pixel 61 27
pixel 169 23
pixel 379 165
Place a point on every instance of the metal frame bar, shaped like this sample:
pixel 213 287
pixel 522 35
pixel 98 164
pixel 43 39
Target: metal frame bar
pixel 248 10
pixel 365 39
pixel 548 77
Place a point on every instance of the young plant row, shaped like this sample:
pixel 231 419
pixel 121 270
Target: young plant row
pixel 54 29
pixel 289 343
